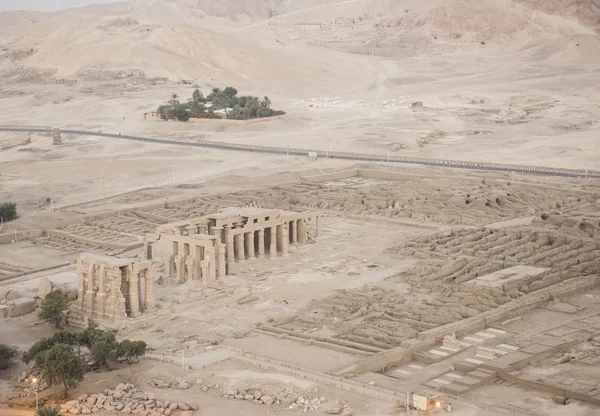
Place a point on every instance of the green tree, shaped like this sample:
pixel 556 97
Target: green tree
pixel 91 335
pixel 132 349
pixel 62 365
pixel 48 411
pixel 138 349
pixel 197 96
pixel 182 113
pixel 36 351
pixel 53 307
pixel 8 211
pixel 104 352
pixel 165 112
pixel 197 109
pixel 6 354
pixel 266 102
pixel 230 92
pixel 174 101
pixel 236 113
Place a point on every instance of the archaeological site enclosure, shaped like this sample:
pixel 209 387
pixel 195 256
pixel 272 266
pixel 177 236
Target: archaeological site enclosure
pixel 371 281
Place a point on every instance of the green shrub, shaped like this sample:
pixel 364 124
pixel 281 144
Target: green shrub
pixel 8 211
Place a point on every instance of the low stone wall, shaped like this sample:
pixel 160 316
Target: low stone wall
pixel 227 121
pixel 103 244
pixel 9 237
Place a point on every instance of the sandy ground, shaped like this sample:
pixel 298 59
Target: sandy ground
pixel 510 82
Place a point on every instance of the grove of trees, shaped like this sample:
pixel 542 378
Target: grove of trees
pixel 64 357
pixel 242 108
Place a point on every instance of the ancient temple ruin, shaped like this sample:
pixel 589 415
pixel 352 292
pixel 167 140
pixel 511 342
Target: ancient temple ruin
pixel 114 288
pixel 203 248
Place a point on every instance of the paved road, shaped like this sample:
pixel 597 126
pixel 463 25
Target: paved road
pixel 359 157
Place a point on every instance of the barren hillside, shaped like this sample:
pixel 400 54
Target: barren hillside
pixel 86 49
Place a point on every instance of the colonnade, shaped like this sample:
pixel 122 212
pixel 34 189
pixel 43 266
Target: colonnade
pixel 248 243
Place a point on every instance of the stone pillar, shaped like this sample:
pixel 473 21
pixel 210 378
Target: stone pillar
pixel 202 229
pixel 239 242
pixel 149 306
pixel 80 282
pixel 317 226
pixel 285 239
pixel 208 267
pixel 180 268
pixel 134 297
pixel 231 259
pixel 56 139
pixel 230 249
pixel 221 261
pixel 88 302
pixel 250 245
pixel 302 231
pixel 294 232
pixel 261 243
pixel 101 295
pixel 273 248
pixel 218 233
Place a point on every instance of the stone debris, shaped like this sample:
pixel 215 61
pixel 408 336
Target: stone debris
pixel 127 400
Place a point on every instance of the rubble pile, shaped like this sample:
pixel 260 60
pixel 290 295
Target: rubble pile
pixel 127 400
pixel 284 397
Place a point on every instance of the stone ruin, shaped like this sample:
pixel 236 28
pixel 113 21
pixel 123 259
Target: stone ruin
pixel 203 248
pixel 113 288
pixel 126 399
pixel 13 303
pixel 56 139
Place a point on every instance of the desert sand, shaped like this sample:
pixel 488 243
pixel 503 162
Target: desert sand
pixel 403 252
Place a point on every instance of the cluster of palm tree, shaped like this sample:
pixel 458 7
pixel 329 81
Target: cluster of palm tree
pixel 237 108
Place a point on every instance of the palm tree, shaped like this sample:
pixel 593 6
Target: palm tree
pixel 174 98
pixel 48 411
pixel 267 102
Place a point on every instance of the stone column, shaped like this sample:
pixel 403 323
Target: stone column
pixel 80 281
pixel 230 249
pixel 218 233
pixel 101 295
pixel 202 228
pixel 221 268
pixel 317 226
pixel 261 243
pixel 227 228
pixel 250 245
pixel 88 303
pixel 134 297
pixel 149 306
pixel 273 248
pixel 285 239
pixel 302 231
pixel 294 232
pixel 239 242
